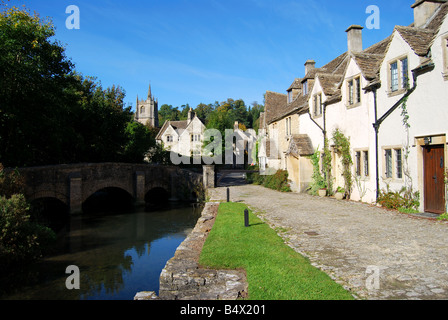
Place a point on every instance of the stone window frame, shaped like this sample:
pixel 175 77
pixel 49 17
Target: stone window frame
pixel 401 86
pixel 362 164
pixel 288 127
pixel 394 174
pixel 354 95
pixel 195 137
pixel 445 56
pixel 169 138
pixel 317 108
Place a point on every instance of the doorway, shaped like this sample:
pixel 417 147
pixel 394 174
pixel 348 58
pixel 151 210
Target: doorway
pixel 434 180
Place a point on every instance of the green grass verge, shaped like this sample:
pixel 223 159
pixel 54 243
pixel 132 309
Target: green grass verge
pixel 274 270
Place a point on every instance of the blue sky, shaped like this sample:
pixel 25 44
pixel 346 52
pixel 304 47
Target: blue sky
pixel 194 51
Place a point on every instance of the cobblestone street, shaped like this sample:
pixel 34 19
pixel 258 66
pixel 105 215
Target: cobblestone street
pixel 375 253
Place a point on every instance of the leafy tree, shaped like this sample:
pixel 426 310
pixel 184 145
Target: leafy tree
pixel 33 75
pixel 140 139
pixel 21 239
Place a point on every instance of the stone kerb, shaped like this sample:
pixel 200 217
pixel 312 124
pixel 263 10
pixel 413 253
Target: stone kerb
pixel 183 279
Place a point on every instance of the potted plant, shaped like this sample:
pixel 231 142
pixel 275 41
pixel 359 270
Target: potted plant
pixel 322 192
pixel 340 192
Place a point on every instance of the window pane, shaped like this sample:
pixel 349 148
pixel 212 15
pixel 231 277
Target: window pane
pixel 358 90
pixel 404 73
pixel 320 103
pixel 366 163
pixel 350 92
pixel 388 163
pixel 394 76
pixel 358 163
pixel 399 162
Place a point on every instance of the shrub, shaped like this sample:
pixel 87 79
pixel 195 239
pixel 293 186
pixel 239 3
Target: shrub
pixel 21 240
pixel 277 181
pixel 405 199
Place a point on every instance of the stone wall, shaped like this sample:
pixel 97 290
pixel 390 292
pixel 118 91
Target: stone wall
pixel 183 278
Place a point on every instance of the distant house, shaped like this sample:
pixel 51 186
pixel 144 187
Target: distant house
pixel 389 99
pixel 183 137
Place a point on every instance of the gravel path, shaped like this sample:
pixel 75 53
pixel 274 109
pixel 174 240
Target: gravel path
pixel 375 253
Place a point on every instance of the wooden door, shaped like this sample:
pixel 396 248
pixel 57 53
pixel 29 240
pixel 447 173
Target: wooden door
pixel 434 166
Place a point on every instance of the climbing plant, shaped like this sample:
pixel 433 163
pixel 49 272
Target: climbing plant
pixel 342 147
pixel 326 167
pixel 318 180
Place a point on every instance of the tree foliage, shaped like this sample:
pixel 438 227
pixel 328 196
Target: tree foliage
pixel 50 114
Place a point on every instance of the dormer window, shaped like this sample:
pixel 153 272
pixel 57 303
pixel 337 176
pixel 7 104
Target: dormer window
pixel 317 104
pixel 289 96
pixel 445 57
pixel 398 75
pixel 305 87
pixel 354 91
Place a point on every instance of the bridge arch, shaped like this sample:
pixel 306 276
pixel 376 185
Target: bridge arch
pixel 45 194
pixel 93 188
pixel 108 199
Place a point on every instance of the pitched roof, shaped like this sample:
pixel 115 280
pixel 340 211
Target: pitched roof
pixel 300 145
pixel 274 103
pixel 418 39
pixel 369 61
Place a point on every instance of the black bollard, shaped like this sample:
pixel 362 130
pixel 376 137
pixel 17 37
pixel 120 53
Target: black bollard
pixel 228 195
pixel 246 218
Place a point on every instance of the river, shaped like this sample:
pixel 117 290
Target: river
pixel 117 255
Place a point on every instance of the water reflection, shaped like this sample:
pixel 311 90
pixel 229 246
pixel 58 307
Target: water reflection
pixel 118 255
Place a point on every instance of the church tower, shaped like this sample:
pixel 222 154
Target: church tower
pixel 147 110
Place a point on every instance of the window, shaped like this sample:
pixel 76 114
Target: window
pixel 169 139
pixel 358 90
pixel 366 162
pixel 288 126
pixel 399 163
pixel 317 104
pixel 399 74
pixel 289 96
pixel 404 73
pixel 350 92
pixel 445 56
pixel 362 163
pixel 358 163
pixel 389 163
pixel 195 137
pixel 142 109
pixel 393 163
pixel 394 76
pixel 354 91
pixel 305 87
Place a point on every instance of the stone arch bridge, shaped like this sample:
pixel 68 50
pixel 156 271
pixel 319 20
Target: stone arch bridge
pixel 73 184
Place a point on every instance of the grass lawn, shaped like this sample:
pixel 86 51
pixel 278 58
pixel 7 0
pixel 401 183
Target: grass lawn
pixel 274 270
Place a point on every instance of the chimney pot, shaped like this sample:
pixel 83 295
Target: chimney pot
pixel 354 38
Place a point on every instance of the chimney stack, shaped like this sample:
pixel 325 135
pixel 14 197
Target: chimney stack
pixel 354 38
pixel 424 9
pixel 309 65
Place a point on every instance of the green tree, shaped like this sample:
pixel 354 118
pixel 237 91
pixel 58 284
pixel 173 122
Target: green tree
pixel 140 139
pixel 34 73
pixel 21 239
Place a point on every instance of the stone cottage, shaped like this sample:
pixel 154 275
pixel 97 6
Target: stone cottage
pixel 389 99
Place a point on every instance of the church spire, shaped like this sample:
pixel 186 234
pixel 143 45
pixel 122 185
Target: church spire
pixel 149 92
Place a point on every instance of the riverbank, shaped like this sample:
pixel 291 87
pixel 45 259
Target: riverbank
pixel 184 279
